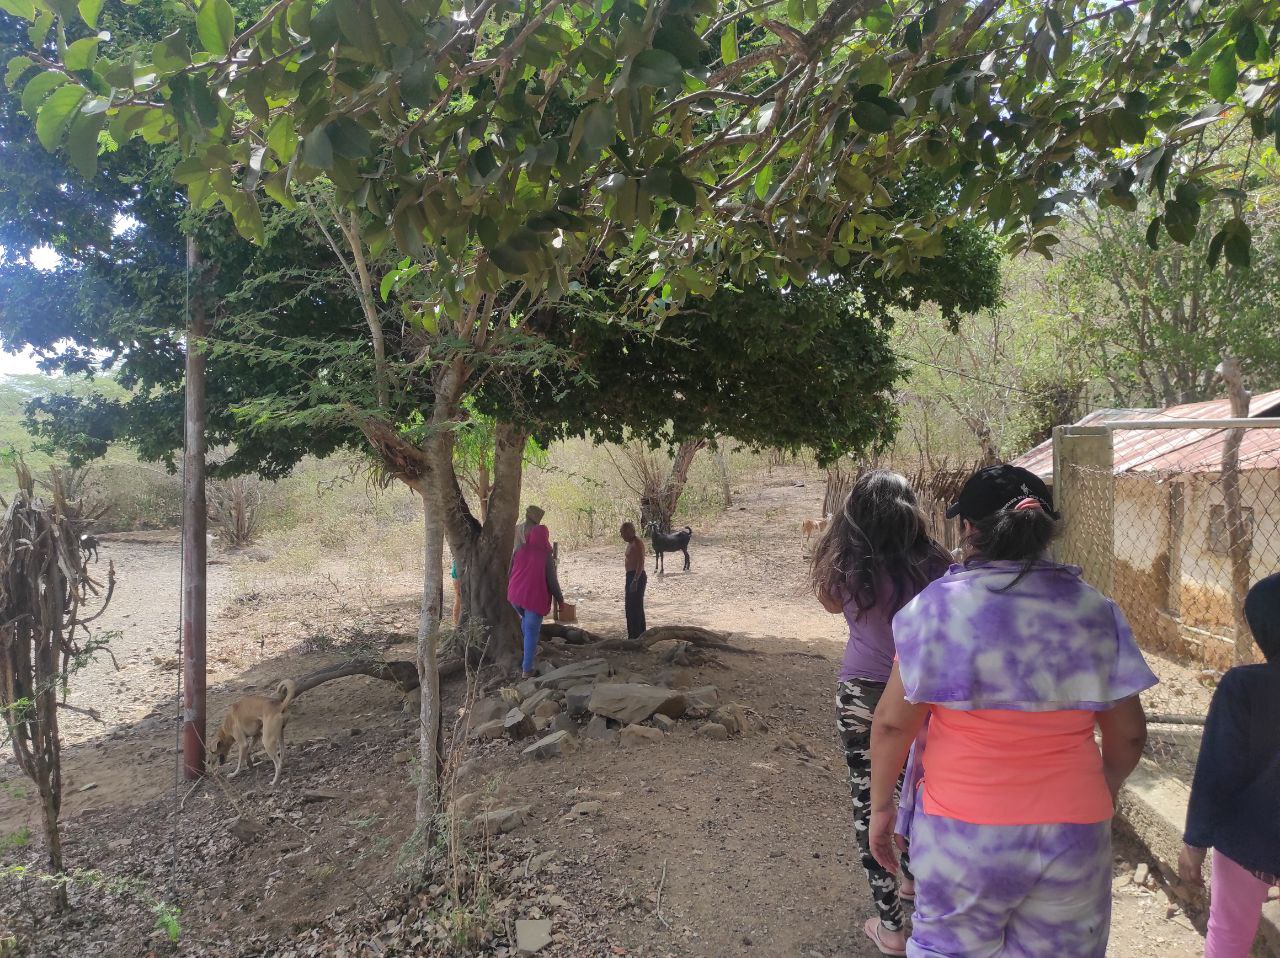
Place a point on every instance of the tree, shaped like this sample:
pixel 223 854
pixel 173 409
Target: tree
pixel 1156 322
pixel 506 149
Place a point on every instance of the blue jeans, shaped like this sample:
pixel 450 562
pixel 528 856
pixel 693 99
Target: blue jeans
pixel 531 627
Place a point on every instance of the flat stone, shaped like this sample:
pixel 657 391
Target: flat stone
pixel 529 706
pixel 526 688
pixel 575 673
pixel 553 746
pixel 577 699
pixel 630 703
pixel 488 709
pixel 703 697
pixel 562 723
pixel 598 728
pixel 732 717
pixel 489 730
pixel 518 725
pixel 532 935
pixel 320 795
pixel 548 709
pixel 584 809
pixel 635 735
pixel 664 724
pixel 714 731
pixel 500 820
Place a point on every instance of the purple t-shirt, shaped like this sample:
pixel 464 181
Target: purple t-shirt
pixel 869 652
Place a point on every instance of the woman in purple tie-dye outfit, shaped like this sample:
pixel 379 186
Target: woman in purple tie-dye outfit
pixel 875 558
pixel 1012 661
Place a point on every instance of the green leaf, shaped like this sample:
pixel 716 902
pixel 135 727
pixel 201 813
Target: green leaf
pixel 38 88
pixel 349 138
pixel 597 126
pixel 89 10
pixel 764 179
pixel 82 142
pixel 1237 242
pixel 655 68
pixel 1223 75
pixel 1247 43
pixel 81 54
pixel 729 42
pixel 871 117
pixel 509 260
pixel 171 55
pixel 324 26
pixel 24 9
pixel 1129 126
pixel 388 281
pixel 216 26
pixel 683 191
pixel 913 38
pixel 1153 233
pixel 281 138
pixel 317 149
pixel 56 115
pixel 1275 125
pixel 999 200
pixel 1180 220
pixel 875 71
pixel 1215 248
pixel 16 68
pixel 418 84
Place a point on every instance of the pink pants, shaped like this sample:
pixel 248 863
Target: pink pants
pixel 1235 908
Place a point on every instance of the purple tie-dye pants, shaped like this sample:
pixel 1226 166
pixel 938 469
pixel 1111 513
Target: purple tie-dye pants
pixel 1013 891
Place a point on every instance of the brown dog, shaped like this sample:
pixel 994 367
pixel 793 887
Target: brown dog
pixel 812 527
pixel 256 718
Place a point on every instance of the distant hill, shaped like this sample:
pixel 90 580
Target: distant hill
pixel 17 390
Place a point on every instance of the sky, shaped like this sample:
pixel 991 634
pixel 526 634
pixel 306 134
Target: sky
pixel 22 364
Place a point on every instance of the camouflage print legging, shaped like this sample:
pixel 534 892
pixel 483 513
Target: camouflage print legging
pixel 855 704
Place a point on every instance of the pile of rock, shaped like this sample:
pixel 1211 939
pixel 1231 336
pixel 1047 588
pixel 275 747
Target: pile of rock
pixel 593 700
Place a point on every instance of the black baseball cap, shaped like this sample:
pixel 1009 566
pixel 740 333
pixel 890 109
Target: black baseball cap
pixel 989 490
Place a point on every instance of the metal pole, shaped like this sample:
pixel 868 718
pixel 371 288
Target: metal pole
pixel 194 543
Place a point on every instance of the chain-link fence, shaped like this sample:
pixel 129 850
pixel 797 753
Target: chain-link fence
pixel 1174 522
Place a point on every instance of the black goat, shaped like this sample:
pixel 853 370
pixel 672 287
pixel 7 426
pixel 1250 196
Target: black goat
pixel 89 546
pixel 668 542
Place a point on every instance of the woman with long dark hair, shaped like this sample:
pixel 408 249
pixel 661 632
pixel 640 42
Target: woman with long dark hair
pixel 873 559
pixel 1013 661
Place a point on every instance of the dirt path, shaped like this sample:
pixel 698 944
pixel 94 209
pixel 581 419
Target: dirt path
pixel 748 839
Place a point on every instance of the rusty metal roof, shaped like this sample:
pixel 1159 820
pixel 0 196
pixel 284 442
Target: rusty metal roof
pixel 1175 450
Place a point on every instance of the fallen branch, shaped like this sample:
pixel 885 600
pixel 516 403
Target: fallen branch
pixel 81 710
pixel 570 633
pixel 403 674
pixel 1163 718
pixel 702 638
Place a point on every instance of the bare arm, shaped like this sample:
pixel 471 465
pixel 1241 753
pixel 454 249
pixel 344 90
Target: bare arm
pixel 893 728
pixel 829 602
pixel 1124 735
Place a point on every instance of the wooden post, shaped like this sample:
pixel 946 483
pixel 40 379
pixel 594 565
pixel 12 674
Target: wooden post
pixel 194 527
pixel 1177 523
pixel 1233 514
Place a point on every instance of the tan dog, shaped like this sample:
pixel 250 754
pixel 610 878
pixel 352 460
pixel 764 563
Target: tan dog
pixel 255 718
pixel 812 527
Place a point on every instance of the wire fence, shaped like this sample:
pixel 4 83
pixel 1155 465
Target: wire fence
pixel 1175 523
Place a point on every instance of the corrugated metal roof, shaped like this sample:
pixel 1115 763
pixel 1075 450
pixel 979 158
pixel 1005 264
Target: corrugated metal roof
pixel 1175 450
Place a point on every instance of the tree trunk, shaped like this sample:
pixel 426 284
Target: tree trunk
pixel 195 518
pixel 429 744
pixel 660 506
pixel 722 466
pixel 483 550
pixel 1238 535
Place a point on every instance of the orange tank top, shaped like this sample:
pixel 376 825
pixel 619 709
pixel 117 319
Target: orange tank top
pixel 995 767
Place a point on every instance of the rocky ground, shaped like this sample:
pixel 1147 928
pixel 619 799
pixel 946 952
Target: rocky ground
pixel 689 803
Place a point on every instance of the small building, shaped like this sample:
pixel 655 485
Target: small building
pixel 1170 545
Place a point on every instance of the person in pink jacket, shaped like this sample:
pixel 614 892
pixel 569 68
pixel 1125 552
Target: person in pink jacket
pixel 532 587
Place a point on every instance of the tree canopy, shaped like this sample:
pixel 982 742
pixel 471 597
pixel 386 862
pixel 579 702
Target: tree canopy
pixel 501 140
